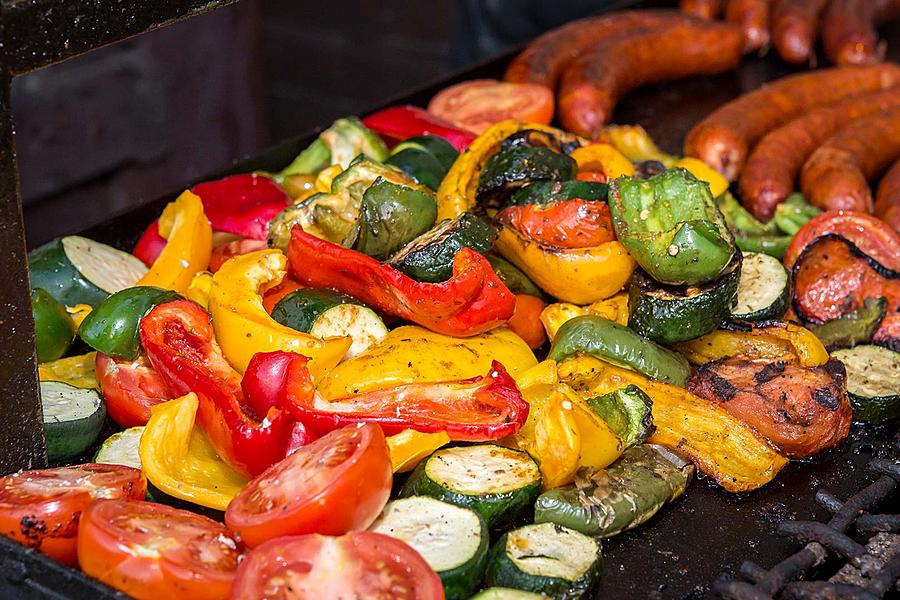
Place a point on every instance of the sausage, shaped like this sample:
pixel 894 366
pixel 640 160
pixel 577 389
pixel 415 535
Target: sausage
pixel 887 200
pixel 752 16
pixel 704 9
pixel 723 138
pixel 795 25
pixel 545 58
pixel 848 30
pixel 595 81
pixel 773 165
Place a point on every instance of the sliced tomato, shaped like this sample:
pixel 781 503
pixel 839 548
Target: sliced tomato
pixel 41 509
pixel 336 484
pixel 223 252
pixel 130 388
pixel 870 234
pixel 477 104
pixel 361 564
pixel 153 551
pixel 569 224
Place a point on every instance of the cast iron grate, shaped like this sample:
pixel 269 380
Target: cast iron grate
pixel 870 570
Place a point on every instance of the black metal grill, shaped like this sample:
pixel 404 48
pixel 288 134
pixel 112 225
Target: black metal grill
pixel 864 571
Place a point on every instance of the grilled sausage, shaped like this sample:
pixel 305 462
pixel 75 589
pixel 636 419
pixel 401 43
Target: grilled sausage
pixel 887 200
pixel 773 165
pixel 795 25
pixel 545 58
pixel 848 30
pixel 752 16
pixel 800 410
pixel 704 9
pixel 595 81
pixel 723 139
pixel 836 176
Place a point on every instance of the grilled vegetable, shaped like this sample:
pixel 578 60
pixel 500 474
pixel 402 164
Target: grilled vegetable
pixel 628 412
pixel 436 145
pixel 78 371
pixel 496 482
pixel 121 448
pixel 453 540
pixel 766 339
pixel 763 290
pixel 513 278
pixel 670 314
pixel 873 374
pixel 514 167
pixel 750 235
pixel 548 192
pixel 72 419
pixel 411 122
pixel 618 345
pixel 794 213
pixel 609 501
pixel 545 558
pixel 614 309
pixel 499 593
pixel 425 158
pixel 338 145
pixel 54 329
pixel 429 257
pixel 393 215
pixel 853 328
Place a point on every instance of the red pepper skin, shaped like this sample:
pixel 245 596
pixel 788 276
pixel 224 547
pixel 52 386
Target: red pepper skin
pixel 475 410
pixel 398 123
pixel 150 245
pixel 223 252
pixel 242 204
pixel 179 341
pixel 472 301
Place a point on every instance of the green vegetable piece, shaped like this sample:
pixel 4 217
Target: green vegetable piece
pixel 609 341
pixel 773 245
pixel 793 213
pixel 606 502
pixel 435 145
pixel 339 144
pixel 300 309
pixel 513 278
pixel 113 328
pixel 420 165
pixel 73 418
pixel 872 384
pixel 740 221
pixel 548 192
pixel 628 412
pixel 515 167
pixel 393 215
pixel 671 226
pixel 313 159
pixel 54 329
pixel 853 328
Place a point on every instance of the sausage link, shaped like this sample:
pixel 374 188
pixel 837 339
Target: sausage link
pixel 545 58
pixel 836 175
pixel 752 16
pixel 887 200
pixel 773 165
pixel 723 138
pixel 849 30
pixel 704 9
pixel 795 24
pixel 595 81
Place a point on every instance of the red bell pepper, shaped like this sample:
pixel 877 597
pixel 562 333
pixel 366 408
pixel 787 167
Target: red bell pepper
pixel 243 423
pixel 870 234
pixel 150 245
pixel 223 252
pixel 398 123
pixel 242 204
pixel 472 301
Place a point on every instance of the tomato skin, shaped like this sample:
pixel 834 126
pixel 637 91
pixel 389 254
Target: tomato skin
pixel 366 559
pixel 185 544
pixel 569 224
pixel 477 104
pixel 130 388
pixel 41 509
pixel 872 235
pixel 305 494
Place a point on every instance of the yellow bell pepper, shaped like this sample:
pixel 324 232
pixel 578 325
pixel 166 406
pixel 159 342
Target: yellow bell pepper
pixel 783 340
pixel 554 315
pixel 242 325
pixel 576 275
pixel 718 443
pixel 177 458
pixel 635 144
pixel 79 371
pixel 325 177
pixel 199 289
pixel 188 244
pixel 603 158
pixel 718 185
pixel 79 312
pixel 409 447
pixel 411 354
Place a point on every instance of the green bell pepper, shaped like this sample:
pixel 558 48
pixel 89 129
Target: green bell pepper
pixel 793 213
pixel 54 328
pixel 853 328
pixel 338 145
pixel 392 215
pixel 628 412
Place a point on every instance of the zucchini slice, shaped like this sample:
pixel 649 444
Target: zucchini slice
pixel 496 482
pixel 517 166
pixel 546 558
pixel 76 270
pixel 121 448
pixel 435 145
pixel 763 288
pixel 72 419
pixel 453 540
pixel 500 593
pixel 873 382
pixel 419 164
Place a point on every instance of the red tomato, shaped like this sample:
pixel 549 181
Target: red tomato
pixel 477 104
pixel 41 508
pixel 223 252
pixel 153 551
pixel 361 564
pixel 569 224
pixel 870 234
pixel 130 388
pixel 336 484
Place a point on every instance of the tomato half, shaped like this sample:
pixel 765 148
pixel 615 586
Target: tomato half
pixel 477 104
pixel 569 224
pixel 361 564
pixel 153 551
pixel 130 388
pixel 334 485
pixel 41 509
pixel 870 234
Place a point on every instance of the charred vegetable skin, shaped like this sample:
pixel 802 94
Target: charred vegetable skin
pixel 518 165
pixel 853 328
pixel 628 412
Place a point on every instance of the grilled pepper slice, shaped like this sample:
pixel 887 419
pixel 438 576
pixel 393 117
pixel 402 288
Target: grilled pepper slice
pixel 473 301
pixel 402 122
pixel 242 204
pixel 346 139
pixel 671 226
pixel 614 309
pixel 568 224
pixel 768 339
pixel 853 328
pixel 512 168
pixel 602 158
pixel 628 412
pixel 391 216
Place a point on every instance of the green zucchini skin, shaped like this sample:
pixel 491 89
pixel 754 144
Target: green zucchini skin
pixel 54 328
pixel 762 273
pixel 628 411
pixel 872 386
pixel 669 314
pixel 503 572
pixel 66 437
pixel 435 145
pixel 548 192
pixel 607 340
pixel 519 165
pixel 854 328
pixel 300 309
pixel 497 509
pixel 429 257
pixel 609 501
pixel 50 269
pixel 513 278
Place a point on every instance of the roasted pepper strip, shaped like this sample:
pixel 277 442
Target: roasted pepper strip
pixel 635 143
pixel 178 459
pixel 243 327
pixel 242 204
pixel 719 444
pixel 771 340
pixel 78 371
pixel 602 158
pixel 199 289
pixel 409 447
pixel 718 185
pixel 554 315
pixel 398 123
pixel 188 244
pixel 472 301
